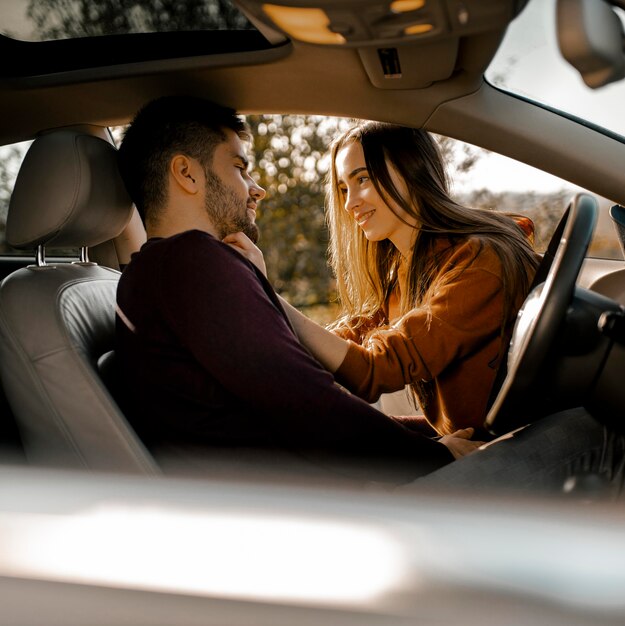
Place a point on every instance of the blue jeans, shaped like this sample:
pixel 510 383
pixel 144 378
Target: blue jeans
pixel 567 452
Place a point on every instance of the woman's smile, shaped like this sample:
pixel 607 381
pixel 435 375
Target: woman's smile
pixel 363 218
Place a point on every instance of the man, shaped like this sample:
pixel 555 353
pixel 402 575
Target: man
pixel 207 353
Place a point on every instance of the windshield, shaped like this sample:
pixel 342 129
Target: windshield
pixel 529 63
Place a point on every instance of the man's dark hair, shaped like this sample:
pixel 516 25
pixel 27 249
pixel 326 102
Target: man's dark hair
pixel 162 128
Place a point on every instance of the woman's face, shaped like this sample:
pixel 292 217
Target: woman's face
pixel 361 200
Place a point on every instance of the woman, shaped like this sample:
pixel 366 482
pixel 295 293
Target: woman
pixel 429 289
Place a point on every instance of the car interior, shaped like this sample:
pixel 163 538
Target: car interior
pixel 97 528
pixel 351 59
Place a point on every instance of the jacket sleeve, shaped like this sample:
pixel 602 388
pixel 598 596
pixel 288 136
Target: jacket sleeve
pixel 465 313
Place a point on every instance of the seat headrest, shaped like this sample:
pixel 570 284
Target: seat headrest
pixel 68 193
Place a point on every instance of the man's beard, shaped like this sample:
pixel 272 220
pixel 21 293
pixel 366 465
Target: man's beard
pixel 227 211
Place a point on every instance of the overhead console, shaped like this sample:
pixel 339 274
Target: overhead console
pixel 403 44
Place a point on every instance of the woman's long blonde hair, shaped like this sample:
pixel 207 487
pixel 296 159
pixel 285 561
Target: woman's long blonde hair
pixel 366 271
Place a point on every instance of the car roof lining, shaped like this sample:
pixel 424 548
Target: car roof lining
pixel 293 77
pixel 465 107
pixel 233 80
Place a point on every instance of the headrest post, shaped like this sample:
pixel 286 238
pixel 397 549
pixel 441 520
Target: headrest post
pixel 41 256
pixel 84 254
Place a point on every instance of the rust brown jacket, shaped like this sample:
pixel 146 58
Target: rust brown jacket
pixel 453 348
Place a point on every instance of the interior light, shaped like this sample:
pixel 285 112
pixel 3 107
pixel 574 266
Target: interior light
pixel 403 6
pixel 418 29
pixel 305 24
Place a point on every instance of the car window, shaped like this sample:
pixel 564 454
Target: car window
pixel 11 158
pixel 485 179
pixel 289 159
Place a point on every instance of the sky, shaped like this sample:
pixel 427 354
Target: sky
pixel 498 173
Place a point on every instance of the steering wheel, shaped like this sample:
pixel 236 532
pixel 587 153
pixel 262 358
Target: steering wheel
pixel 537 334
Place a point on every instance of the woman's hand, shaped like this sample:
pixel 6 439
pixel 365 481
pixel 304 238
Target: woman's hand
pixel 459 442
pixel 244 245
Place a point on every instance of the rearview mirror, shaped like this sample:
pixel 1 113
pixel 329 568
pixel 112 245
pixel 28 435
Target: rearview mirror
pixel 590 37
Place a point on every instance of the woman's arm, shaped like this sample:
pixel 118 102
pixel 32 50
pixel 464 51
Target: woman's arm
pixel 329 349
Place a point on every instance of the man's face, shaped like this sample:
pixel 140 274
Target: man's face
pixel 231 193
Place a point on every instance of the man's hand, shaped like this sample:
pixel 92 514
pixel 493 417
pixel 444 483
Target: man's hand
pixel 459 442
pixel 244 245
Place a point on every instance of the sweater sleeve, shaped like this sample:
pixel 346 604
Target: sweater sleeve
pixel 229 317
pixel 465 313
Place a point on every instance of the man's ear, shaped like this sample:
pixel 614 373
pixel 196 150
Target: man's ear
pixel 185 172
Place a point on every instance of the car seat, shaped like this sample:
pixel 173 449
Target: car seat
pixel 57 321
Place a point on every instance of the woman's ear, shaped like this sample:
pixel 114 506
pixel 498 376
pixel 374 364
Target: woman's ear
pixel 185 173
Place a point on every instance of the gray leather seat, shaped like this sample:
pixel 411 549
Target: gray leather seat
pixel 57 321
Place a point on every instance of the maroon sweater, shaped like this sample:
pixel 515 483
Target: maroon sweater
pixel 207 356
